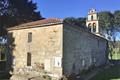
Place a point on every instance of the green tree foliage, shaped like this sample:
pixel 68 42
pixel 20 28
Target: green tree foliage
pixel 117 18
pixel 106 20
pixel 110 23
pixel 76 21
pixel 24 10
pixel 14 12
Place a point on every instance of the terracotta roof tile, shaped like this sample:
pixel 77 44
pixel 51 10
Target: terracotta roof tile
pixel 48 21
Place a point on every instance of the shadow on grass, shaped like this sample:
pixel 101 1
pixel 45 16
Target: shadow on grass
pixel 111 73
pixel 5 76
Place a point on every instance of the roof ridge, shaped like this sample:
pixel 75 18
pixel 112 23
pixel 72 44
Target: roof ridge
pixel 42 22
pixel 57 19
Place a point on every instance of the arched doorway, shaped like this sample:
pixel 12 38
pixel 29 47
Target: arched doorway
pixel 89 26
pixel 94 27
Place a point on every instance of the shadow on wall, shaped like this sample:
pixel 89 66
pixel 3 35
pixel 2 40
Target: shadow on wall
pixel 7 65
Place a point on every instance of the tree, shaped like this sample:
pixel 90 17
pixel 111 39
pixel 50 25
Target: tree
pixel 106 21
pixel 117 18
pixel 14 12
pixel 117 21
pixel 26 12
pixel 110 23
pixel 76 21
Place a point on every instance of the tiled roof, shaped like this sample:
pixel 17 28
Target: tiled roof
pixel 43 22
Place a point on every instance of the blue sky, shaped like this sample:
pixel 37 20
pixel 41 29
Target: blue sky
pixel 74 8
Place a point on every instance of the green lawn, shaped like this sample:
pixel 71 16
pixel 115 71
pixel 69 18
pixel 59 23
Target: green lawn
pixel 115 57
pixel 112 73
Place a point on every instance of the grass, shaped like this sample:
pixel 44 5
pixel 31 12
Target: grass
pixel 4 76
pixel 116 56
pixel 112 73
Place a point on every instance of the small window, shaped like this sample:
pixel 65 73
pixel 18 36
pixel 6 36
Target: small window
pixel 89 27
pixel 91 17
pixel 28 59
pixel 94 27
pixel 29 37
pixel 2 56
pixel 2 61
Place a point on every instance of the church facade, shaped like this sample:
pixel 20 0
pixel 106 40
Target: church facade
pixel 55 47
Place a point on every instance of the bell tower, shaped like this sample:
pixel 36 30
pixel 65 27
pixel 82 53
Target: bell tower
pixel 92 22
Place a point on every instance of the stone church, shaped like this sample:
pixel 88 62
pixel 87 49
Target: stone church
pixel 57 48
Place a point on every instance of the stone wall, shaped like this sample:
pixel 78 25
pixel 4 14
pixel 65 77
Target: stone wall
pixel 45 47
pixel 81 50
pixel 57 50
